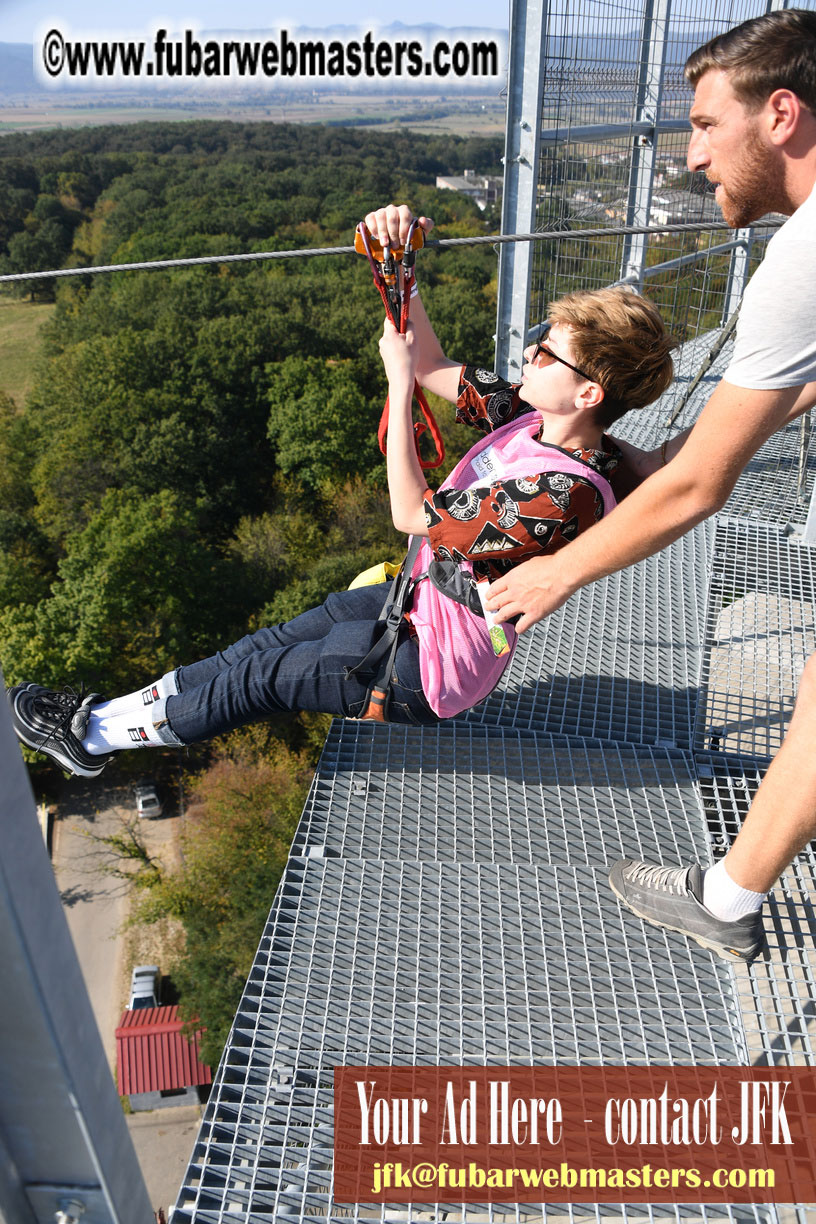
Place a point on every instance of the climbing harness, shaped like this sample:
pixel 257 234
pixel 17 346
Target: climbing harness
pixel 453 579
pixel 378 665
pixel 383 261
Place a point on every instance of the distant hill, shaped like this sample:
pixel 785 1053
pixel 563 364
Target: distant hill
pixel 17 72
pixel 17 69
pixel 622 48
pixel 609 51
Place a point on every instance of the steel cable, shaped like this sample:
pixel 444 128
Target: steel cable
pixel 581 235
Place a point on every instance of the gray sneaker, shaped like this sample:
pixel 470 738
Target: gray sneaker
pixel 55 724
pixel 671 897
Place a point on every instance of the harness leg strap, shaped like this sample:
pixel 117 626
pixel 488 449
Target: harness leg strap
pixel 379 662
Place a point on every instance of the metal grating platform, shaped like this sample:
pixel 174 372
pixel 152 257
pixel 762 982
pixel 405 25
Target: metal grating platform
pixel 454 963
pixel 375 962
pixel 446 899
pixel 280 1166
pixel 621 660
pixel 432 947
pixel 647 427
pixel 777 484
pixel 778 996
pixel 456 793
pixel 760 632
pixel 769 489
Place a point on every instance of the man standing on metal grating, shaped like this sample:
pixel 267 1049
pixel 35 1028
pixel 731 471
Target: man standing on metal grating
pixel 753 134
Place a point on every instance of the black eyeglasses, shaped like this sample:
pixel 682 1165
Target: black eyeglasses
pixel 540 347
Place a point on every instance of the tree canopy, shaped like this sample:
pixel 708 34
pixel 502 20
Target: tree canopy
pixel 176 409
pixel 198 454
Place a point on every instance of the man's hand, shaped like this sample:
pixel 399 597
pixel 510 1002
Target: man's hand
pixel 390 225
pixel 535 588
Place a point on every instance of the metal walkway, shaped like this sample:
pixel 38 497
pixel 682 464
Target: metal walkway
pixel 446 897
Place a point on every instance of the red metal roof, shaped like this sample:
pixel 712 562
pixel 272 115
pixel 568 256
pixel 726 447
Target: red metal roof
pixel 152 1055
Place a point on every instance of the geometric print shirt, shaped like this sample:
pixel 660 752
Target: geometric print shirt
pixel 502 523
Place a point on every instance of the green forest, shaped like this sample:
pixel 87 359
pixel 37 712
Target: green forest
pixel 198 456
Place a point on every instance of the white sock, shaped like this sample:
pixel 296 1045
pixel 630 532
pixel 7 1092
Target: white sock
pixel 142 699
pixel 115 732
pixel 727 900
pixel 126 722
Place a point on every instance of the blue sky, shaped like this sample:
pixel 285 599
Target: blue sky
pixel 19 19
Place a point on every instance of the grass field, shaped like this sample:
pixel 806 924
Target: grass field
pixel 469 115
pixel 20 324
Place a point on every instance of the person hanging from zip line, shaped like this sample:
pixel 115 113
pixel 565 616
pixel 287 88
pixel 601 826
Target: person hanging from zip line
pixel 753 123
pixel 420 648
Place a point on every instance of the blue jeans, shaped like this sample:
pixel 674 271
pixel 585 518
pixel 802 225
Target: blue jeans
pixel 300 665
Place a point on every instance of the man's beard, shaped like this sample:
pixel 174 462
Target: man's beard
pixel 754 187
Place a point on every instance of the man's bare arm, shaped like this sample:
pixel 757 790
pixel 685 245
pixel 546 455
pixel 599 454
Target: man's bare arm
pixel 638 465
pixel 805 399
pixel 696 483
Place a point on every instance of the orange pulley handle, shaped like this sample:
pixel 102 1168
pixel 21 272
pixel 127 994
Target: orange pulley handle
pixel 366 244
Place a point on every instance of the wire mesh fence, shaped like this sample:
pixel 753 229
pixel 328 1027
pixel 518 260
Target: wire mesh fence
pixel 613 142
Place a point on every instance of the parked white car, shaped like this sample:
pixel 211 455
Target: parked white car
pixel 144 987
pixel 148 799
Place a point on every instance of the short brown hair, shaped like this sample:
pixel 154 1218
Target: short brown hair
pixel 775 51
pixel 620 340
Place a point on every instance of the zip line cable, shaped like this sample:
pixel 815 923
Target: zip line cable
pixel 492 239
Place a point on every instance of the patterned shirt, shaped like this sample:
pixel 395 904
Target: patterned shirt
pixel 495 526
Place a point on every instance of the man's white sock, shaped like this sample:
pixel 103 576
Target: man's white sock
pixel 724 898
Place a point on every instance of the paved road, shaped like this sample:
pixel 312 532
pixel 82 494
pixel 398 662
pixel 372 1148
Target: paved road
pixel 163 1139
pixel 95 906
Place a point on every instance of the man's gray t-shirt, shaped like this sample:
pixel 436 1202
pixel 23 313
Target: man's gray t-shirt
pixel 776 332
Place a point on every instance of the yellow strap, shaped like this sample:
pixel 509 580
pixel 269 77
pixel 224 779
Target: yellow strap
pixel 376 573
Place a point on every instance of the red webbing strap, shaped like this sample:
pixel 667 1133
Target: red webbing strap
pixel 419 429
pixel 363 245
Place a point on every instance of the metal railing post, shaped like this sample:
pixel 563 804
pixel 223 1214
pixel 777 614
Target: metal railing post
pixel 528 24
pixel 644 146
pixel 737 272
